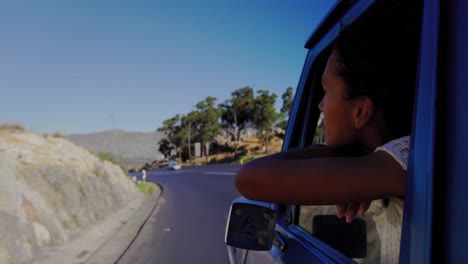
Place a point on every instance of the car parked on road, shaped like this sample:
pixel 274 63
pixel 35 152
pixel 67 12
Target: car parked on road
pixel 174 166
pixel 435 208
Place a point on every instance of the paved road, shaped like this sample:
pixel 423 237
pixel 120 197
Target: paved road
pixel 189 221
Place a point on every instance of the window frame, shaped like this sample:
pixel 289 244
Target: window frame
pixel 303 122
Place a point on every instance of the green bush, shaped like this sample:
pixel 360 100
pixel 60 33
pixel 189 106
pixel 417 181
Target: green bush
pixel 11 127
pixel 133 169
pixel 146 187
pixel 58 135
pixel 109 157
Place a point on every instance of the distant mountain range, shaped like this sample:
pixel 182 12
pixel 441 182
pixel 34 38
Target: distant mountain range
pixel 133 148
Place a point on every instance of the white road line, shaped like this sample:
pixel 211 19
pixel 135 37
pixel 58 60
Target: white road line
pixel 220 173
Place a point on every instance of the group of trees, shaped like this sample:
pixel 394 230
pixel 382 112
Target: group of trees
pixel 234 115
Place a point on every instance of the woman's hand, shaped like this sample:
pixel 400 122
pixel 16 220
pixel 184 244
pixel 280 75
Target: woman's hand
pixel 352 209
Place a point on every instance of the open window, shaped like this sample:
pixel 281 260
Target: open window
pixel 370 238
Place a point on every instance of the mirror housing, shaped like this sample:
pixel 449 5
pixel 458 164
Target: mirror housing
pixel 251 225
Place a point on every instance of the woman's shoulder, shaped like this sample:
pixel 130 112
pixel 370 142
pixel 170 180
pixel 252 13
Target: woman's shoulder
pixel 398 148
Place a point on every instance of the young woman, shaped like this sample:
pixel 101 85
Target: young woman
pixel 366 109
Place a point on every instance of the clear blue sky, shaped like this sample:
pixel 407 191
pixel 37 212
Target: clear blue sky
pixel 82 66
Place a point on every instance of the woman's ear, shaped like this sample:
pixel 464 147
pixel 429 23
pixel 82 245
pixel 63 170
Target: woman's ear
pixel 364 110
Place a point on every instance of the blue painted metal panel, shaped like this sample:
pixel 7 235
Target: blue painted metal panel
pixel 417 222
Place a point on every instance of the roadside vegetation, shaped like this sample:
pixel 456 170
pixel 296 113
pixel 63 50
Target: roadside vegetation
pixel 109 157
pixel 55 135
pixel 8 126
pixel 146 187
pixel 249 158
pixel 58 135
pixel 221 129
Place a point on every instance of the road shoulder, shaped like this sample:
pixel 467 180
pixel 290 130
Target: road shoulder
pixel 106 241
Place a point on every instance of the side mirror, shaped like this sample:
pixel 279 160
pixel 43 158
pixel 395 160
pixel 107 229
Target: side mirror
pixel 251 225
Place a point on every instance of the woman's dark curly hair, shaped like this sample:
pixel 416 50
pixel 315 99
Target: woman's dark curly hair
pixel 379 61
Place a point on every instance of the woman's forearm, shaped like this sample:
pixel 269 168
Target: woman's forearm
pixel 330 180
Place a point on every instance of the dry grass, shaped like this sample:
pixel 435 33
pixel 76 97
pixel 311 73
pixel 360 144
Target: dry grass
pixel 251 147
pixel 7 126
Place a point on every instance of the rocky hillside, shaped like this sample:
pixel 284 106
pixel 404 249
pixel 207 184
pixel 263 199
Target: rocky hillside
pixel 50 190
pixel 133 148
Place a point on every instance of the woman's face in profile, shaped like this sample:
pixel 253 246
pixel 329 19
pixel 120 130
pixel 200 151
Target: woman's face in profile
pixel 337 111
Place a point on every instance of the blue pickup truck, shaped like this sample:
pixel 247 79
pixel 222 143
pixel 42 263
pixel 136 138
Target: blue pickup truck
pixel 435 202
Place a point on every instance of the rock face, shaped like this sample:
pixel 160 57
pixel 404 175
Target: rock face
pixel 50 190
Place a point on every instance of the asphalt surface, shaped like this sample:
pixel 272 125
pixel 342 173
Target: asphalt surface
pixel 188 222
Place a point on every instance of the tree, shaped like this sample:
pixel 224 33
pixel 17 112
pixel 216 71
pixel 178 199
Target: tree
pixel 175 136
pixel 265 116
pixel 189 121
pixel 286 108
pixel 207 121
pixel 166 148
pixel 237 112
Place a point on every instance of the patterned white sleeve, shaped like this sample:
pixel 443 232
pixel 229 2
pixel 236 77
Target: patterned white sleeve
pixel 398 149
